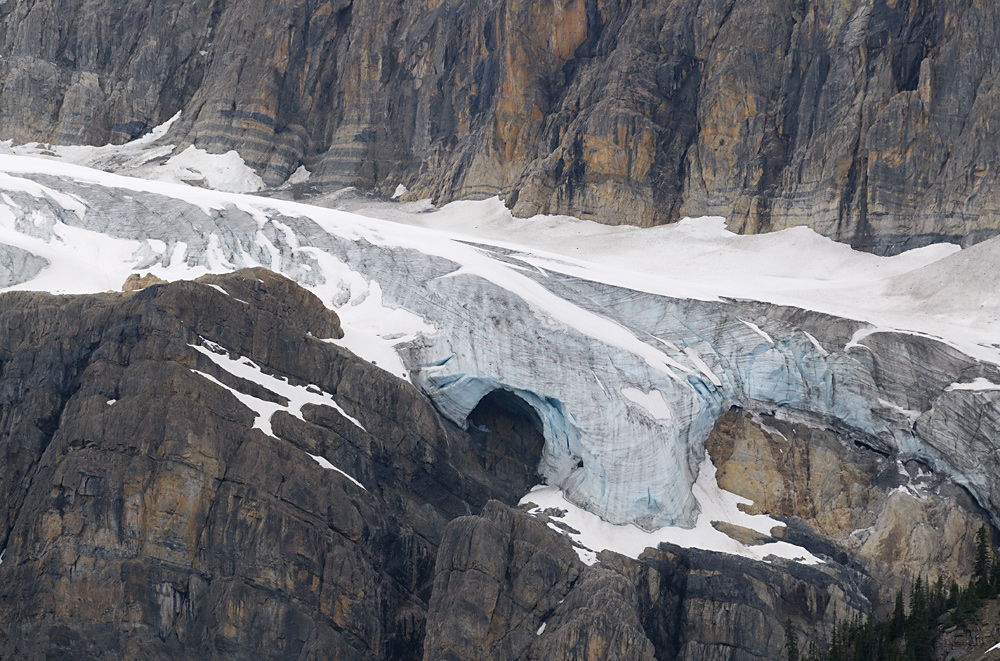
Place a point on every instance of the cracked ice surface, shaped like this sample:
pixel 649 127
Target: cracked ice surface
pixel 626 380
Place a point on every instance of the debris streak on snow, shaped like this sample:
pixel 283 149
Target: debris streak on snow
pixel 977 384
pixel 816 343
pixel 757 329
pixel 702 366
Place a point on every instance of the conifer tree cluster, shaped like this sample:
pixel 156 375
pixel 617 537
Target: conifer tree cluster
pixel 908 634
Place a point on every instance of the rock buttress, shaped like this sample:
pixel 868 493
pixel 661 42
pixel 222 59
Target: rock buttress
pixel 143 516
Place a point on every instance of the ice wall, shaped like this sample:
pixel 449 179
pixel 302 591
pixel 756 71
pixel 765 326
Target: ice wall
pixel 627 384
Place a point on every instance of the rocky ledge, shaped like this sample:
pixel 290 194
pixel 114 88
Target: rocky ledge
pixel 143 515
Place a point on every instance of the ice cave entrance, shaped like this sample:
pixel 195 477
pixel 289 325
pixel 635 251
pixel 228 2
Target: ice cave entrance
pixel 511 431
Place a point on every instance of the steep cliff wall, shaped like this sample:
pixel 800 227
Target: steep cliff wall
pixel 869 120
pixel 147 513
pixel 144 513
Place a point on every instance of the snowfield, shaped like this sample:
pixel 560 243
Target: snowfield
pixel 628 342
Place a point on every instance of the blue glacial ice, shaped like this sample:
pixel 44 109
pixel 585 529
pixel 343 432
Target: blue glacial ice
pixel 627 384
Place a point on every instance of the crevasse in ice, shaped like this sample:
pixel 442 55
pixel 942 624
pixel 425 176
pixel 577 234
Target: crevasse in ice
pixel 627 384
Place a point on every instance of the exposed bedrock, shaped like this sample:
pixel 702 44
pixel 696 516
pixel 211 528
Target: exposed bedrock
pixel 867 120
pixel 144 516
pixel 890 514
pixel 626 385
pixel 506 587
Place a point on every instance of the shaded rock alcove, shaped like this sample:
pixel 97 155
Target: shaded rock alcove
pixel 510 435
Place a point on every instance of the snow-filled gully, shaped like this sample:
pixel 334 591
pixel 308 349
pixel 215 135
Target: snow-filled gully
pixel 297 396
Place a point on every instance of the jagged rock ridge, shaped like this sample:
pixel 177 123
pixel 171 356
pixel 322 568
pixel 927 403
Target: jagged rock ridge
pixel 866 120
pixel 144 516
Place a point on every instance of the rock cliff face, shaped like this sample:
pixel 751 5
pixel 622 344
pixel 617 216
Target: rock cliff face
pixel 868 120
pixel 888 513
pixel 145 516
pixel 148 513
pixel 505 591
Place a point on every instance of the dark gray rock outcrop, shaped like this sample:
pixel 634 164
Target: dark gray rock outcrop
pixel 507 587
pixel 867 120
pixel 142 516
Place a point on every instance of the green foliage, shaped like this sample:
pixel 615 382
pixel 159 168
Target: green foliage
pixel 953 595
pixel 918 634
pixel 908 634
pixel 898 621
pixel 983 559
pixel 983 569
pixel 791 641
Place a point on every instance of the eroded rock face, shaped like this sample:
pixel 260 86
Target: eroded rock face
pixel 505 571
pixel 972 639
pixel 135 282
pixel 142 515
pixel 148 512
pixel 869 121
pixel 893 515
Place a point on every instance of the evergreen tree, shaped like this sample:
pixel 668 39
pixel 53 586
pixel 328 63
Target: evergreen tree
pixel 936 604
pixel 953 595
pixel 983 560
pixel 791 641
pixel 897 622
pixel 836 652
pixel 908 636
pixel 918 639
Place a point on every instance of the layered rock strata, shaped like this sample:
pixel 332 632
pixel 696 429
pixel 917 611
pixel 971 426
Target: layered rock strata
pixel 867 120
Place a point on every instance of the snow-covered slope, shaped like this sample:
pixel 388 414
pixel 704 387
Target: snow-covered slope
pixel 623 341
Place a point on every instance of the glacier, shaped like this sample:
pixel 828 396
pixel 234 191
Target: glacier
pixel 628 369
